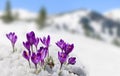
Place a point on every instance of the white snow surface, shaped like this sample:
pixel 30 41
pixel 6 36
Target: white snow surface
pixel 113 14
pixel 98 58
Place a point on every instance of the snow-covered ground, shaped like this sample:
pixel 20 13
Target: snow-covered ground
pixel 98 58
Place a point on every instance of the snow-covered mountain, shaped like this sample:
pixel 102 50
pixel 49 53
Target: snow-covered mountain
pixel 99 25
pixel 113 14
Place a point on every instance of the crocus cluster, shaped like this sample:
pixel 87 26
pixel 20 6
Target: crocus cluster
pixel 38 55
pixel 63 55
pixel 13 38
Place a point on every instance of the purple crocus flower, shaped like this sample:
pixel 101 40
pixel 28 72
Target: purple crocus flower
pixel 27 45
pixel 36 42
pixel 27 56
pixel 13 38
pixel 62 58
pixel 45 41
pixel 35 58
pixel 43 53
pixel 61 44
pixel 65 47
pixel 68 48
pixel 72 60
pixel 31 37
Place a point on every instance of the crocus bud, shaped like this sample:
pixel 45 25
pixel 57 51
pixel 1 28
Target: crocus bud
pixel 62 57
pixel 26 45
pixel 68 48
pixel 72 60
pixel 26 55
pixel 31 37
pixel 12 37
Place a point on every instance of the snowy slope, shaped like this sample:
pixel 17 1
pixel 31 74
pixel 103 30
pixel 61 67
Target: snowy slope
pixel 71 19
pixel 113 14
pixel 99 58
pixel 72 22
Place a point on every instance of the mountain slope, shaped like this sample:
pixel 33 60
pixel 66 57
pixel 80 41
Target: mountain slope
pixel 113 14
pixel 97 23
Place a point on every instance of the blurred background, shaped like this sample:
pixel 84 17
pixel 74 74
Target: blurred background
pixel 94 19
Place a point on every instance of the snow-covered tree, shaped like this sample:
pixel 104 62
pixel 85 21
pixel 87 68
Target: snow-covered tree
pixel 7 17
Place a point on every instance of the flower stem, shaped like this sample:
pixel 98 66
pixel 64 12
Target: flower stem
pixel 42 62
pixel 29 64
pixel 48 56
pixel 61 66
pixel 36 67
pixel 13 48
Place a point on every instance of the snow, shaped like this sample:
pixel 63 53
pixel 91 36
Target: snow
pixel 70 22
pixel 22 13
pixel 71 19
pixel 96 57
pixel 113 14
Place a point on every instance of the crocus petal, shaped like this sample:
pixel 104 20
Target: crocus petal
pixel 26 55
pixel 43 52
pixel 48 40
pixel 14 39
pixel 36 42
pixel 35 58
pixel 43 40
pixel 68 48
